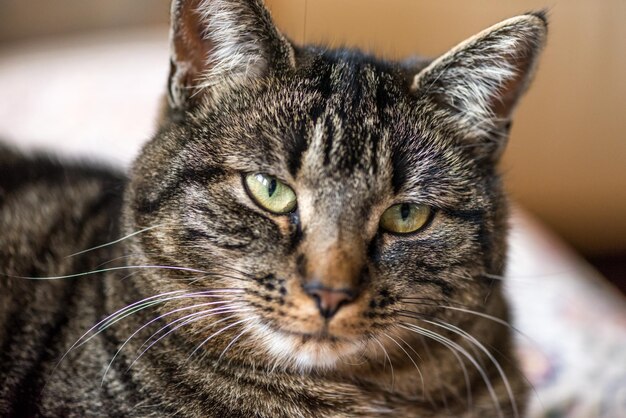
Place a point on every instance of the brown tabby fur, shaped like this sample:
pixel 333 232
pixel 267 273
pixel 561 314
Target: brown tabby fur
pixel 352 136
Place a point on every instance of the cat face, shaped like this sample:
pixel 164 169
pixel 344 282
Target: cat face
pixel 339 197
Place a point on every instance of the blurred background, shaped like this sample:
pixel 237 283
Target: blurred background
pixel 566 160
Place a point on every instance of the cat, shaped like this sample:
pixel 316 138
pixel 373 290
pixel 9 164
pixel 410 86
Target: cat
pixel 311 232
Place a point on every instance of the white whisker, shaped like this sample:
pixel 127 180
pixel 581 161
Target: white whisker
pixel 390 364
pixel 187 319
pixel 201 294
pixel 216 334
pixel 231 343
pixel 451 344
pixel 456 355
pixel 129 310
pixel 113 242
pixel 146 325
pixel 412 361
pixel 490 356
pixel 86 273
pixel 112 315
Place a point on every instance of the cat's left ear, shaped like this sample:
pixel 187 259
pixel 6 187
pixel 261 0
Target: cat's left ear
pixel 220 44
pixel 475 86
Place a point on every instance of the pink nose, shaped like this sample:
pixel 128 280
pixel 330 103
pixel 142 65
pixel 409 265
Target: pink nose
pixel 329 300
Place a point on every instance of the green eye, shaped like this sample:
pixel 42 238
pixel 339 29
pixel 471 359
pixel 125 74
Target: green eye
pixel 405 218
pixel 270 193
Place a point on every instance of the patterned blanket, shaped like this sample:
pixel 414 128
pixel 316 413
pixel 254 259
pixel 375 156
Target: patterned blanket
pixel 572 327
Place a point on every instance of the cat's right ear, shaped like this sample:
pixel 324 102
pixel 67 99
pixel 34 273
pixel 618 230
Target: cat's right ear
pixel 221 44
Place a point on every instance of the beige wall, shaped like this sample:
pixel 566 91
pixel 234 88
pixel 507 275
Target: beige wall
pixel 24 19
pixel 566 161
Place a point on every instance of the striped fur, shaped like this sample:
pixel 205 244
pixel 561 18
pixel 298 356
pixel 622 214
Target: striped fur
pixel 200 310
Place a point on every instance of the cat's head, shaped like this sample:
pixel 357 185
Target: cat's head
pixel 342 197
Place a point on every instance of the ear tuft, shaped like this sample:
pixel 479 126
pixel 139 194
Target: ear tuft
pixel 479 82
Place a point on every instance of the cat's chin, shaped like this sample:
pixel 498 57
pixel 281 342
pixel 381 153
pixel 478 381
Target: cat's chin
pixel 308 352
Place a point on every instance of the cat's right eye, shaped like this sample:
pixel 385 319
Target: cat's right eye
pixel 270 193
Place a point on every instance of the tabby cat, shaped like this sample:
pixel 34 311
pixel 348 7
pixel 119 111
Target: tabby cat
pixel 311 233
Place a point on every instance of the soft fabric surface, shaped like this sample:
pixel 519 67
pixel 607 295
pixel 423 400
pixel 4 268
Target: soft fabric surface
pixel 572 325
pixel 96 97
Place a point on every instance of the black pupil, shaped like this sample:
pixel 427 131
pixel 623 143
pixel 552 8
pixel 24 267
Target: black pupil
pixel 405 211
pixel 271 188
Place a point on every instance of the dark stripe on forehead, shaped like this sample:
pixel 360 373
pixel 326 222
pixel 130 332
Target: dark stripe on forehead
pixel 351 91
pixel 375 141
pixel 295 149
pixel 401 165
pixel 329 135
pixel 348 84
pixel 381 101
pixel 322 73
pixel 346 139
pixel 299 143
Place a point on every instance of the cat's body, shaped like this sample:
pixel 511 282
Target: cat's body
pixel 314 310
pixel 68 207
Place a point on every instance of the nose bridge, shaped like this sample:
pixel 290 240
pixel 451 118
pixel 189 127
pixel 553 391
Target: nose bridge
pixel 333 245
pixel 334 262
pixel 333 249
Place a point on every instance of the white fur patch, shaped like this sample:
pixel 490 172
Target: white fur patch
pixel 290 351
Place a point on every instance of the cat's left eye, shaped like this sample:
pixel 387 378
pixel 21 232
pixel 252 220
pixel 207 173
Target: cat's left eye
pixel 405 218
pixel 270 193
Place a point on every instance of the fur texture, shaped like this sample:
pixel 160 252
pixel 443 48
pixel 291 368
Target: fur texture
pixel 198 304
